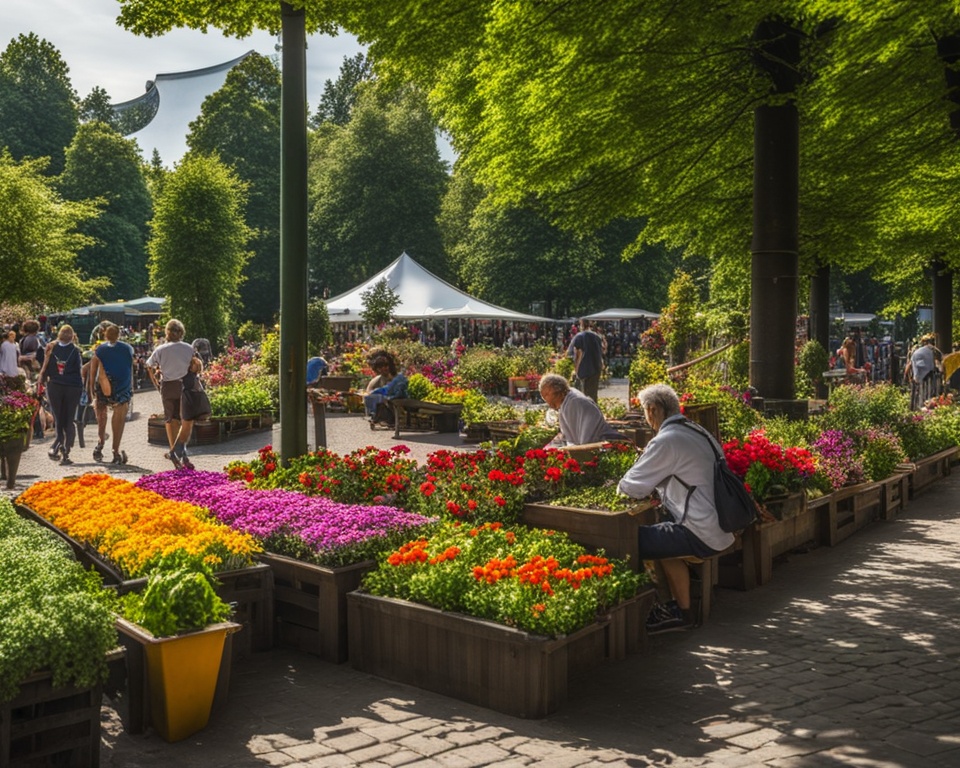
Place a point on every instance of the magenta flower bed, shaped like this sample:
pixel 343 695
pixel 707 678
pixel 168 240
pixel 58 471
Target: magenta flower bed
pixel 310 528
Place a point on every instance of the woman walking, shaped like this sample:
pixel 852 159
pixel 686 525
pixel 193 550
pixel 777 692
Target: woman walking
pixel 61 374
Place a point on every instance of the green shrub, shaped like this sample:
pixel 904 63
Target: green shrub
pixel 243 399
pixel 179 597
pixel 646 369
pixel 56 616
pixel 812 361
pixel 270 353
pixel 881 451
pixel 564 367
pixel 419 387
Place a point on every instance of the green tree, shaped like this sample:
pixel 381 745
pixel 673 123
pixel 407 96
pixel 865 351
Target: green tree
pixel 678 320
pixel 338 97
pixel 102 165
pixel 379 301
pixel 241 123
pixel 40 238
pixel 38 106
pixel 319 334
pixel 96 106
pixel 375 191
pixel 198 245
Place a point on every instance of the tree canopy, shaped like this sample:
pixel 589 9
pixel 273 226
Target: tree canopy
pixel 40 238
pixel 375 190
pixel 198 247
pixel 38 106
pixel 241 123
pixel 102 165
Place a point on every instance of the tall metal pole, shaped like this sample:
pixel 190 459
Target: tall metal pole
pixel 293 236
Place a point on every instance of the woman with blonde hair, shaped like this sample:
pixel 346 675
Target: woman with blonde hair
pixel 61 374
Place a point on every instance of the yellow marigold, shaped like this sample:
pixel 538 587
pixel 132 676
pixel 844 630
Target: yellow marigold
pixel 130 526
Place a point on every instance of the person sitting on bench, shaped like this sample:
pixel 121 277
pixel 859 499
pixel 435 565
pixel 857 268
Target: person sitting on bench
pixel 679 464
pixel 386 385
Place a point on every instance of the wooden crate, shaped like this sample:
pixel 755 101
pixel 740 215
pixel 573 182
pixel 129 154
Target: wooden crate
pixel 613 532
pixel 310 604
pixel 44 725
pixel 896 495
pixel 846 511
pixel 476 661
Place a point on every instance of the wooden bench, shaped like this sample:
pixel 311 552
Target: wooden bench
pixel 423 416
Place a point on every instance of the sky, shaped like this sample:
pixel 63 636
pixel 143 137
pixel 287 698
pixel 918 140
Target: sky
pixel 99 52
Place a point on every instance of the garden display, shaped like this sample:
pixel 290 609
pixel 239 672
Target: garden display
pixel 490 614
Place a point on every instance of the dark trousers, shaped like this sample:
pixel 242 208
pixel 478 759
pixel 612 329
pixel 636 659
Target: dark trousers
pixel 63 404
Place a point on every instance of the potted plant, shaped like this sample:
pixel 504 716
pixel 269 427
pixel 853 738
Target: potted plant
pixel 179 624
pixel 493 615
pixel 17 411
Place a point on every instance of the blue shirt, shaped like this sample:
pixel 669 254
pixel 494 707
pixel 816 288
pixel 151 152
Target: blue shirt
pixel 117 361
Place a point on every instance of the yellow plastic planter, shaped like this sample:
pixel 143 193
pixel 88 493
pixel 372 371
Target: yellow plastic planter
pixel 182 674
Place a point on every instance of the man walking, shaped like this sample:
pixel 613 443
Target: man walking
pixel 588 359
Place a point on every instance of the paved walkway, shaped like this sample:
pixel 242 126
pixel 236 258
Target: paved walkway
pixel 847 658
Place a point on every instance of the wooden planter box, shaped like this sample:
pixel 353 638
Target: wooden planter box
pixel 801 525
pixel 335 383
pixel 249 589
pixel 310 604
pixel 846 511
pixel 214 430
pixel 476 433
pixel 503 430
pixel 896 495
pixel 424 416
pixel 928 470
pixel 476 661
pixel 627 630
pixel 613 532
pixel 44 725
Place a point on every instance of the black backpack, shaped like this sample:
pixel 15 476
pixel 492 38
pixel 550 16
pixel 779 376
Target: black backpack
pixel 736 508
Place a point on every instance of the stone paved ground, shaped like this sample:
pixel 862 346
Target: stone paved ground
pixel 849 657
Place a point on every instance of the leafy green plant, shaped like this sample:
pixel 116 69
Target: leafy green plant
pixel 647 368
pixel 179 597
pixel 880 451
pixel 564 367
pixel 244 398
pixel 56 616
pixel 594 497
pixel 378 301
pixel 419 387
pixel 812 361
pixel 612 407
pixel 270 353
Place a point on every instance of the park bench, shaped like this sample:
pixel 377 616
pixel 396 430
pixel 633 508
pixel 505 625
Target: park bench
pixel 423 416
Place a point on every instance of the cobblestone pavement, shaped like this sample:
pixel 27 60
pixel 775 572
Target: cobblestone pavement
pixel 847 658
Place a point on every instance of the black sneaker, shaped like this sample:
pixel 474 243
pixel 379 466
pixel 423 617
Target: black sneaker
pixel 174 458
pixel 66 460
pixel 667 617
pixel 98 452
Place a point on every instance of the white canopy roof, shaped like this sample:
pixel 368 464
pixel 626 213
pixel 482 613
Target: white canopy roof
pixel 423 295
pixel 621 314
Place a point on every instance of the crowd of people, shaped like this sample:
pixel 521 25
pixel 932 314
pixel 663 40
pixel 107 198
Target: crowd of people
pixel 68 380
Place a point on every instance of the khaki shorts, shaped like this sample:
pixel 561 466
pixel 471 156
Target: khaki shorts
pixel 170 392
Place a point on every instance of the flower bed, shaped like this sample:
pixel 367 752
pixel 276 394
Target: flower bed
pixel 318 549
pixel 132 527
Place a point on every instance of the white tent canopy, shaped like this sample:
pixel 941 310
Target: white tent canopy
pixel 621 314
pixel 423 296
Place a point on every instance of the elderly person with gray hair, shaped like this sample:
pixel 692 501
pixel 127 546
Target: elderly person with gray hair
pixel 679 464
pixel 581 420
